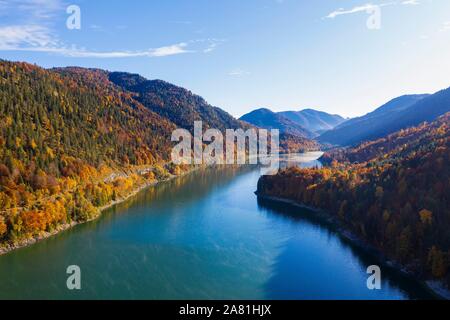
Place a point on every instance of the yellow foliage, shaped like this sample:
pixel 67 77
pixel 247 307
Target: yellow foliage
pixel 49 152
pixel 18 142
pixel 8 121
pixel 3 227
pixel 33 144
pixel 426 216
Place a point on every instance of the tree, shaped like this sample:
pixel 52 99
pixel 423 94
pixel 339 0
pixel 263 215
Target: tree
pixel 436 262
pixel 3 228
pixel 426 216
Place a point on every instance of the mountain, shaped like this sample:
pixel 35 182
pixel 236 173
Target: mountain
pixel 394 146
pixel 182 107
pixel 391 193
pixel 74 140
pixel 71 142
pixel 177 104
pixel 313 120
pixel 401 112
pixel 265 118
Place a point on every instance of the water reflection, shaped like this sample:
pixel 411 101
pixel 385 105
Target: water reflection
pixel 318 278
pixel 201 236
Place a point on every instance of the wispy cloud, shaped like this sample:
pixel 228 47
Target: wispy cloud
pixel 445 26
pixel 169 50
pixel 35 38
pixel 32 31
pixel 76 52
pixel 185 22
pixel 368 7
pixel 238 72
pixel 41 9
pixel 31 36
pixel 213 44
pixel 342 11
pixel 411 2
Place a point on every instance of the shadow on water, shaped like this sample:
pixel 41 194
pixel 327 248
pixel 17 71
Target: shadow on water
pixel 184 190
pixel 292 258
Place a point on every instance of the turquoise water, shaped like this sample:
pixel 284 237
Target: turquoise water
pixel 201 236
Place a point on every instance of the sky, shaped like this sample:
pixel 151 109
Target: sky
pixel 344 57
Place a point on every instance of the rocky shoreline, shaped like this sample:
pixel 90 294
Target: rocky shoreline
pixel 436 287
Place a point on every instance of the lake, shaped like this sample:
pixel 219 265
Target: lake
pixel 201 236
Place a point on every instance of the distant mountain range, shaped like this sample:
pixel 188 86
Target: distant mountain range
pixel 399 113
pixel 392 192
pixel 307 123
pixel 181 107
pixel 265 118
pixel 314 121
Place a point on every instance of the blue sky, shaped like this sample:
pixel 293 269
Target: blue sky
pixel 239 55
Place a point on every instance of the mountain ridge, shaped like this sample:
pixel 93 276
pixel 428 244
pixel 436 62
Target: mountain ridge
pixel 401 112
pixel 267 119
pixel 314 120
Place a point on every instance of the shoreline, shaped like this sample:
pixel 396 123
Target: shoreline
pixel 9 247
pixel 434 286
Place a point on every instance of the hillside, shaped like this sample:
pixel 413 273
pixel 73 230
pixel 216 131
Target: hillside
pixel 399 113
pixel 71 143
pixel 394 196
pixel 395 145
pixel 265 118
pixel 75 140
pixel 182 107
pixel 313 120
pixel 177 104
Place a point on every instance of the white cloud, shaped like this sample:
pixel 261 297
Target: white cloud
pixel 238 72
pixel 35 38
pixel 185 22
pixel 41 9
pixel 342 11
pixel 445 26
pixel 368 7
pixel 211 47
pixel 33 32
pixel 27 35
pixel 169 50
pixel 76 52
pixel 410 2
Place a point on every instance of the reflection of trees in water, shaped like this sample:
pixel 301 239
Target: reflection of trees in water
pixel 185 189
pixel 363 257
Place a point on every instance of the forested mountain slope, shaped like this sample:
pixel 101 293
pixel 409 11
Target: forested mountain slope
pixel 395 145
pixel 400 113
pixel 313 120
pixel 177 104
pixel 395 197
pixel 265 118
pixel 71 142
